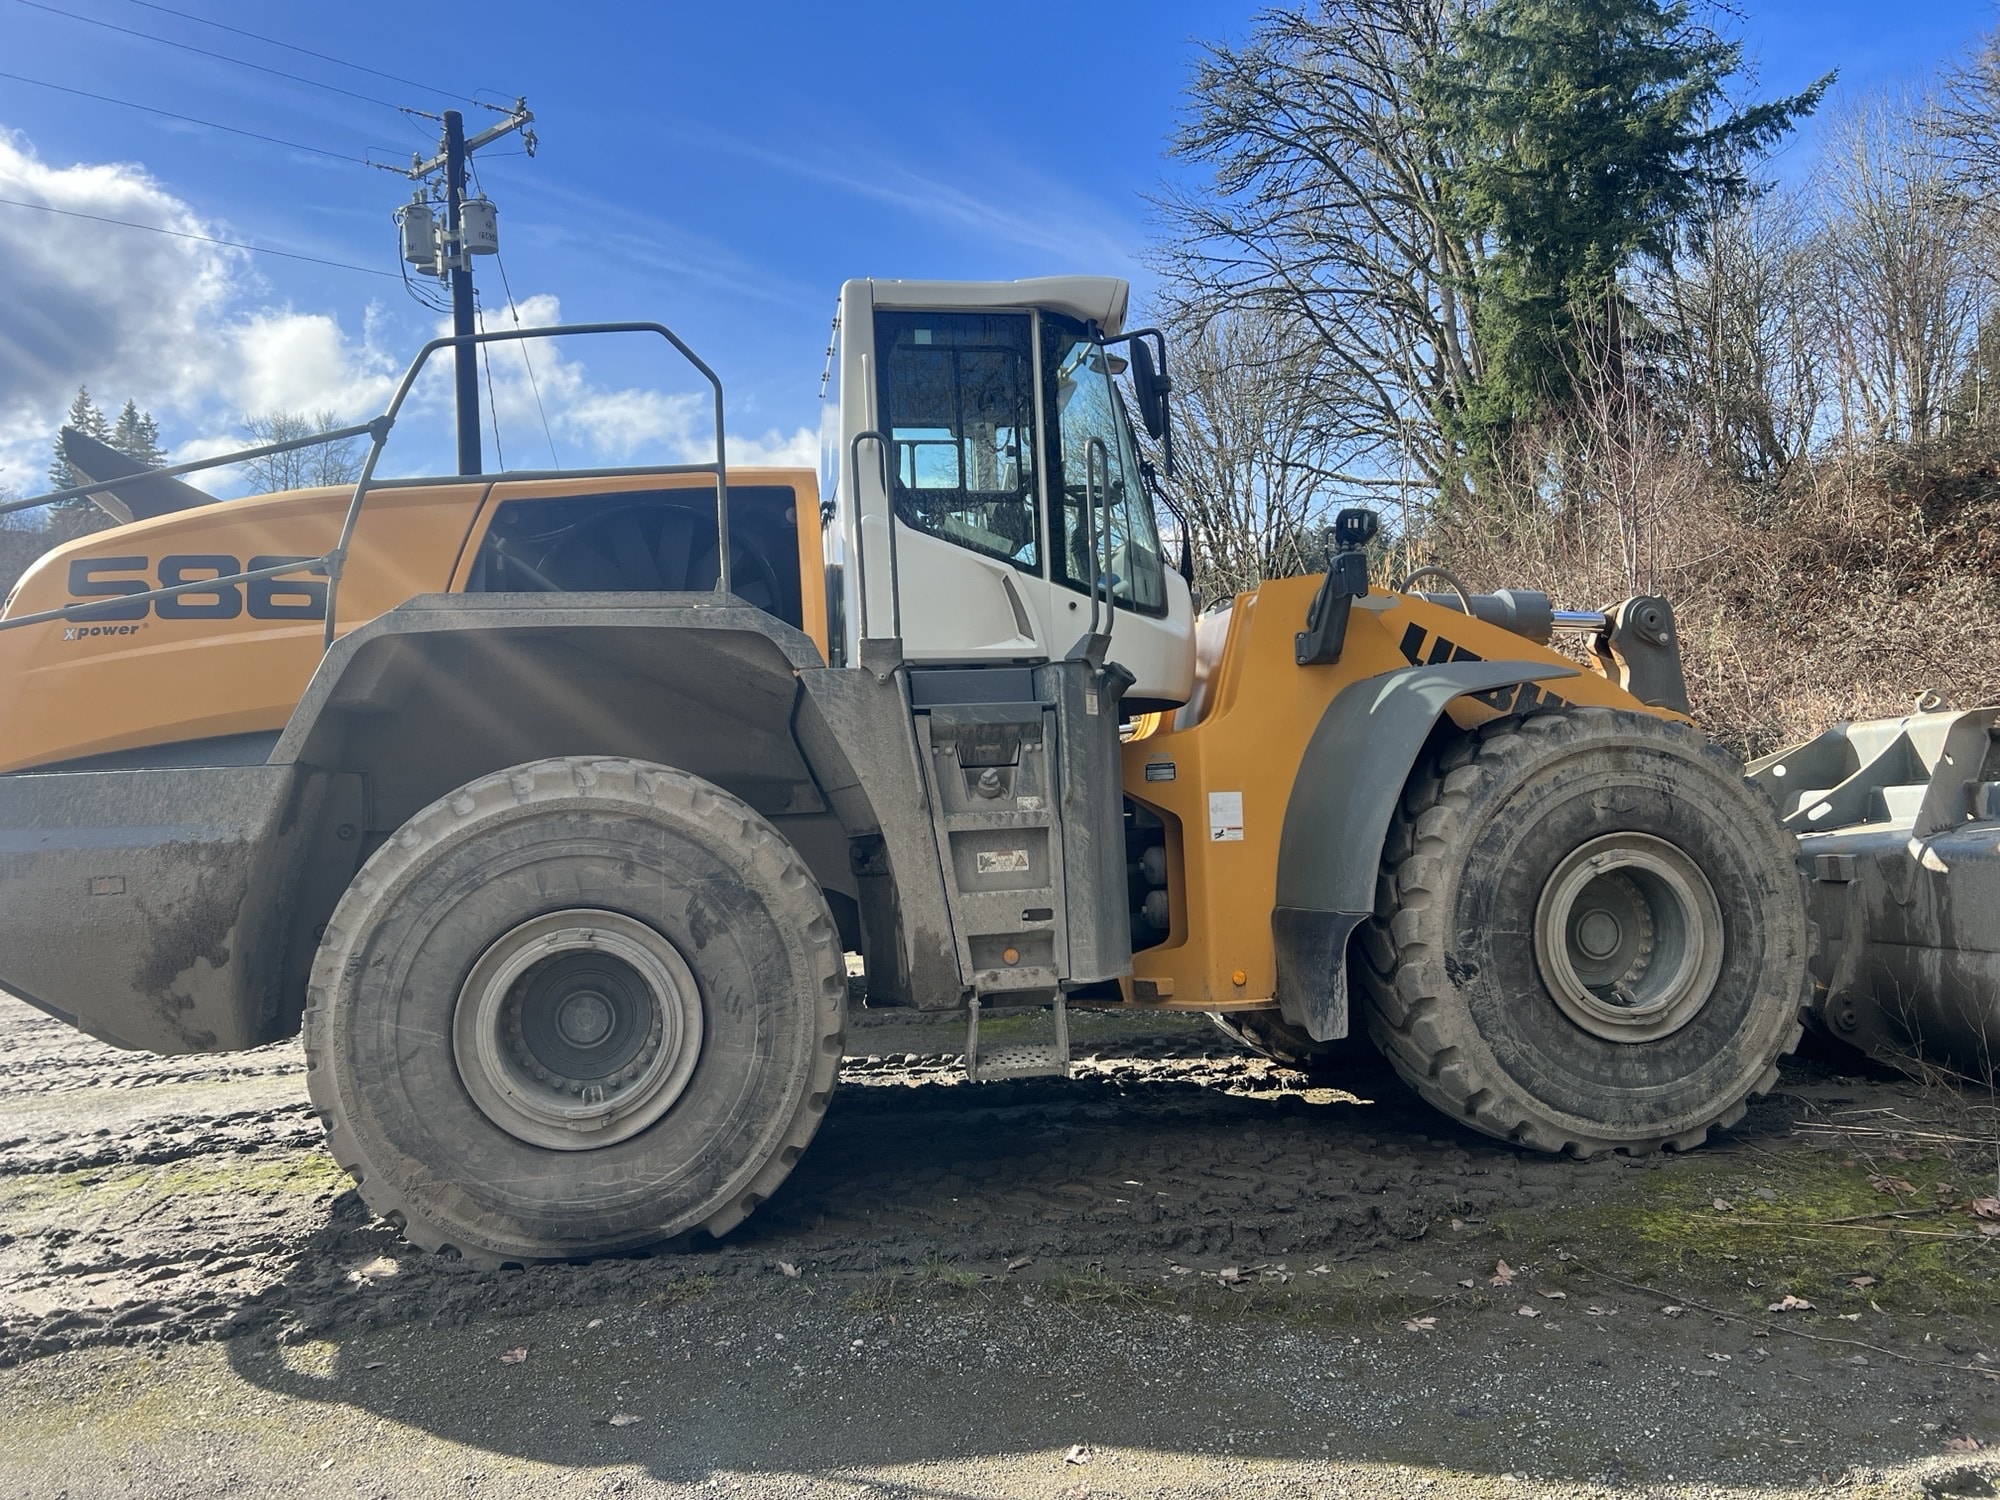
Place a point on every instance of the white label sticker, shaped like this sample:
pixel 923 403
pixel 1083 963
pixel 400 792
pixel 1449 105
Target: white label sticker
pixel 1006 861
pixel 1225 817
pixel 1089 701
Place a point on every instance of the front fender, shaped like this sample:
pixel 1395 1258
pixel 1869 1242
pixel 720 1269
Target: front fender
pixel 1330 848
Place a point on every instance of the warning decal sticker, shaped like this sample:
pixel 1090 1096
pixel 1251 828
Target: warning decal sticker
pixel 1225 817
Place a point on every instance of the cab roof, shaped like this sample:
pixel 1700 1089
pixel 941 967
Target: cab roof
pixel 1099 299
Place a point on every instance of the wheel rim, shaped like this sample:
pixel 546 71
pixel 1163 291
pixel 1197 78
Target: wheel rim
pixel 1628 933
pixel 577 1029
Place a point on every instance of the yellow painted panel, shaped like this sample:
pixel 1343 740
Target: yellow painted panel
pixel 69 690
pixel 1263 709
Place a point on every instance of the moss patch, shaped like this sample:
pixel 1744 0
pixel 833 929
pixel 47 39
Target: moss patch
pixel 1749 1231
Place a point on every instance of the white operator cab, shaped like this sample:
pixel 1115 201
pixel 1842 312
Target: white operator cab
pixel 983 423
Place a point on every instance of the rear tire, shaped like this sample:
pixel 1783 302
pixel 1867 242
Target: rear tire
pixel 575 1007
pixel 1589 934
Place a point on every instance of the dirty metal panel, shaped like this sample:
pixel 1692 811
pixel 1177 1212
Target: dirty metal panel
pixel 1900 850
pixel 144 906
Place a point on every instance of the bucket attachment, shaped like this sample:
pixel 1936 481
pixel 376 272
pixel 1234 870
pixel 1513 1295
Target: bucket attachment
pixel 1899 844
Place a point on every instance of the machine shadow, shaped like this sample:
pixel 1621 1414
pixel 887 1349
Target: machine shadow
pixel 921 1185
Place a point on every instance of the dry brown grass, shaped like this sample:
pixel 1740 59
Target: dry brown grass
pixel 1840 594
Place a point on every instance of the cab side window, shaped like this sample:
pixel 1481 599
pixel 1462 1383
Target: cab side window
pixel 957 401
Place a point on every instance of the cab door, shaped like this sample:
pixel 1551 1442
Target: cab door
pixel 1105 558
pixel 1019 510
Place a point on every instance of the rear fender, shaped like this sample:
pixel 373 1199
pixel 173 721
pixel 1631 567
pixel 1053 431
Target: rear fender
pixel 1330 850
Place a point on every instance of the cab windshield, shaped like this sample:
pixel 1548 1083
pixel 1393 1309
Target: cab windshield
pixel 1096 469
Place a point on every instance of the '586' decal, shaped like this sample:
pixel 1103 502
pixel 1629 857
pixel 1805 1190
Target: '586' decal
pixel 297 597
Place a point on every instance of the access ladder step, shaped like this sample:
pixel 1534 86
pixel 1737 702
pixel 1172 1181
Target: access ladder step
pixel 1017 1058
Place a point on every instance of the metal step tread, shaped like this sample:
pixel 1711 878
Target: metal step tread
pixel 1018 1059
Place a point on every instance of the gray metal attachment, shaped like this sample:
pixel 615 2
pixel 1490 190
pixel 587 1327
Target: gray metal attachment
pixel 1899 845
pixel 1018 1059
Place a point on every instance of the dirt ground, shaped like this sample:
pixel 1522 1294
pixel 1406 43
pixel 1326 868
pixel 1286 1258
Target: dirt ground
pixel 1186 1272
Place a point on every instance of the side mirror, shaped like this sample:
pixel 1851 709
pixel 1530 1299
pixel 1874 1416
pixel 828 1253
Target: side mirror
pixel 1152 388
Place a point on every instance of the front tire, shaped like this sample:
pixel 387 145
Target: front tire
pixel 575 1007
pixel 1589 934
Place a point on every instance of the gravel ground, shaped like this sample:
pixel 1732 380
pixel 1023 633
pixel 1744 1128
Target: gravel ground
pixel 1185 1273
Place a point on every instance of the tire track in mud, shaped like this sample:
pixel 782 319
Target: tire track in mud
pixel 145 1199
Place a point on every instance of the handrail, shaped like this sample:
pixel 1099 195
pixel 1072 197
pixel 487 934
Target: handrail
pixel 333 562
pixel 1096 454
pixel 861 540
pixel 174 471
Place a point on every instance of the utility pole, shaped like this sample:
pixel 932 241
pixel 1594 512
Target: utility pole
pixel 470 229
pixel 467 354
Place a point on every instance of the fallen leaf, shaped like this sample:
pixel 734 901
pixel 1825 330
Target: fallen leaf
pixel 1229 1275
pixel 1861 1283
pixel 1901 1187
pixel 1419 1325
pixel 1078 1454
pixel 1180 1270
pixel 1503 1274
pixel 1673 1311
pixel 1721 1358
pixel 1723 1205
pixel 513 1356
pixel 788 1270
pixel 1985 1208
pixel 1458 1223
pixel 325 1466
pixel 1555 1296
pixel 623 1419
pixel 1319 1270
pixel 1028 1260
pixel 1850 1317
pixel 1525 1311
pixel 1467 1282
pixel 1789 1303
pixel 1962 1445
pixel 1594 1311
pixel 1989 1229
pixel 595 1323
pixel 375 1364
pixel 1878 1307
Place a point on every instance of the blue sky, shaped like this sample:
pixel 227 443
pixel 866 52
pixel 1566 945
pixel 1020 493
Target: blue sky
pixel 720 168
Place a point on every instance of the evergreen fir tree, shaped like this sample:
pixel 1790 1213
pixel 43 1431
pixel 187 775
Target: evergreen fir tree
pixel 1589 134
pixel 87 419
pixel 137 435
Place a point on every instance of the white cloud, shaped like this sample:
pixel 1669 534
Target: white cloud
pixel 595 424
pixel 87 303
pixel 158 319
pixel 186 329
pixel 305 362
pixel 799 451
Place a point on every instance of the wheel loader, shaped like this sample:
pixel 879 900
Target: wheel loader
pixel 551 805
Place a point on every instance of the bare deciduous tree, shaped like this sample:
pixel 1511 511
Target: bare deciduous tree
pixel 1746 334
pixel 1905 283
pixel 1254 456
pixel 300 468
pixel 1325 208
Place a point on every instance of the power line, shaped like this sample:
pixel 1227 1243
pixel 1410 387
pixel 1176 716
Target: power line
pixel 207 239
pixel 241 62
pixel 514 311
pixel 254 135
pixel 338 62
